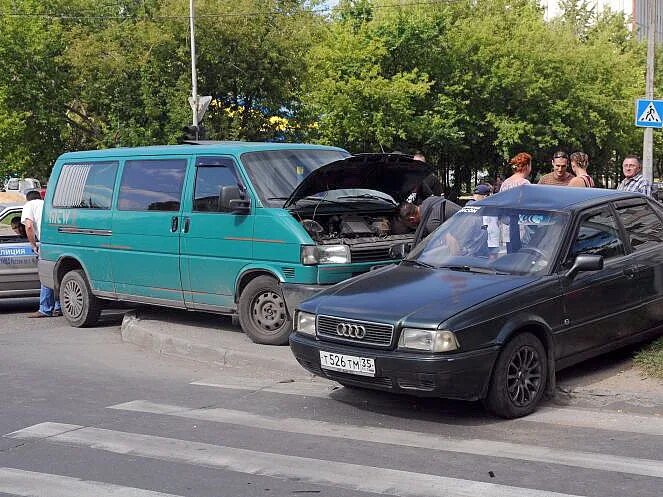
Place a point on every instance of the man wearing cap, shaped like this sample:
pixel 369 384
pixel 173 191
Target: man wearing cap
pixel 480 192
pixel 559 175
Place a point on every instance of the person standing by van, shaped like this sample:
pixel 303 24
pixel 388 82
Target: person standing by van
pixel 31 219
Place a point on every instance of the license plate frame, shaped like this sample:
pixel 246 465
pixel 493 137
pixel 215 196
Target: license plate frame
pixel 360 366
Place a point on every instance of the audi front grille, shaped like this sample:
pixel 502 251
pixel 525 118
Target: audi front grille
pixel 345 330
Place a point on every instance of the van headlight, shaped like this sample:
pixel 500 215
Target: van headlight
pixel 428 340
pixel 304 323
pixel 325 254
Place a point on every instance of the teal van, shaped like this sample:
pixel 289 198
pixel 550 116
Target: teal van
pixel 246 229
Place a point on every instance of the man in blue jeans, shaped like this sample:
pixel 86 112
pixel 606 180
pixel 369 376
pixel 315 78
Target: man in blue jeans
pixel 31 219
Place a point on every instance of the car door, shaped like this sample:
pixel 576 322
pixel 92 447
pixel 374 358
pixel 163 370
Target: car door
pixel 216 243
pixel 644 231
pixel 596 303
pixel 146 234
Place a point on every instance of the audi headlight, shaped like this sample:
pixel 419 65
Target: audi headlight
pixel 304 323
pixel 428 340
pixel 325 254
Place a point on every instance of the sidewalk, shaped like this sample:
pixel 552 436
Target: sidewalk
pixel 213 340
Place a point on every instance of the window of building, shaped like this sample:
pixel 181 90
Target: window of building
pixel 152 185
pixel 643 226
pixel 212 174
pixel 86 185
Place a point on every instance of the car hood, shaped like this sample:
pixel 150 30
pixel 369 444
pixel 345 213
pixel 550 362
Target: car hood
pixel 395 174
pixel 413 294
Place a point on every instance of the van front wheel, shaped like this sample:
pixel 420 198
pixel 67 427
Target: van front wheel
pixel 263 314
pixel 79 306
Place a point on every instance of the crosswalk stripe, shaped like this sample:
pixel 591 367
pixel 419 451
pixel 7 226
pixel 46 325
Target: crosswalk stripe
pixel 337 474
pixel 31 484
pixel 577 418
pixel 589 460
pixel 604 420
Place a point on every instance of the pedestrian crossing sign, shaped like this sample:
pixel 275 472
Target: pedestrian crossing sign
pixel 649 113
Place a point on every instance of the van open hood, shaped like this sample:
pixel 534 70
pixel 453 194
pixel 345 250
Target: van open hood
pixel 397 175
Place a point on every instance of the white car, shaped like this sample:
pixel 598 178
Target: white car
pixel 18 262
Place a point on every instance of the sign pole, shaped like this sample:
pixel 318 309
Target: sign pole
pixel 648 141
pixel 194 82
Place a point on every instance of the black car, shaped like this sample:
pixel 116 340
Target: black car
pixel 508 291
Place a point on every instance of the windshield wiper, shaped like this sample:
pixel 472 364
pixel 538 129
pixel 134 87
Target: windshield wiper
pixel 415 262
pixel 368 195
pixel 471 269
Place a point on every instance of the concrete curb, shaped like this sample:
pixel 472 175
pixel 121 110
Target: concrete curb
pixel 168 335
pixel 214 341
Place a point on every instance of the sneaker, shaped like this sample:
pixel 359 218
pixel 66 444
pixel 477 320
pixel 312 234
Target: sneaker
pixel 56 313
pixel 38 314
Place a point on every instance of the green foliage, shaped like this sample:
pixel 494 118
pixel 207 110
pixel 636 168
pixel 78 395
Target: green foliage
pixel 469 82
pixel 650 359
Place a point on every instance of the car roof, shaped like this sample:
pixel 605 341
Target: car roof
pixel 554 198
pixel 201 147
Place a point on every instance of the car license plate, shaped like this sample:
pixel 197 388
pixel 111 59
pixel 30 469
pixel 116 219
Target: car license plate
pixel 363 366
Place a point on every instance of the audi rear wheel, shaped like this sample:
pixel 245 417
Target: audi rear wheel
pixel 263 314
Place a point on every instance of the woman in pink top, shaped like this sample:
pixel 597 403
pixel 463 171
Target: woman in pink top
pixel 521 165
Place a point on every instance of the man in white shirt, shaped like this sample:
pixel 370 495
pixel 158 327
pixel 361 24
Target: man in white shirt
pixel 31 219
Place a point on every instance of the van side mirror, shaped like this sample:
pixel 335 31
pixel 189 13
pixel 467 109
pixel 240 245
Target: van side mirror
pixel 400 250
pixel 585 262
pixel 232 199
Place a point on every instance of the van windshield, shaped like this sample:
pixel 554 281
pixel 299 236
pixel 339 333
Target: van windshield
pixel 276 173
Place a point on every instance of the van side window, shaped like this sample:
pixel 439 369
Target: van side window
pixel 152 185
pixel 88 185
pixel 212 174
pixel 642 225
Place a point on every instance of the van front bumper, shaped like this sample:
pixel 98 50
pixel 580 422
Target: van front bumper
pixel 463 376
pixel 294 293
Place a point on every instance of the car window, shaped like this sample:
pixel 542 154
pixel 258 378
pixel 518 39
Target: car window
pixel 87 185
pixel 643 226
pixel 5 223
pixel 597 234
pixel 212 174
pixel 152 185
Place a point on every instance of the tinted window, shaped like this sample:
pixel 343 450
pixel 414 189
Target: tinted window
pixel 87 185
pixel 152 185
pixel 598 234
pixel 643 226
pixel 212 173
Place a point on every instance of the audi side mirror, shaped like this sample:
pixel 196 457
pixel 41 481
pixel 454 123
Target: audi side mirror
pixel 585 262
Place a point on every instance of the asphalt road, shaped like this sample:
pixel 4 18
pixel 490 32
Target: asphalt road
pixel 83 414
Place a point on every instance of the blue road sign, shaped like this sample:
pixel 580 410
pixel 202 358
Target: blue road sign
pixel 649 113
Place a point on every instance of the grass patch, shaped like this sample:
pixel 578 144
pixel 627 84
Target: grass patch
pixel 650 359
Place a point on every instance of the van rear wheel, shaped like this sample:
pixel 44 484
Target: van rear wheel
pixel 263 314
pixel 79 306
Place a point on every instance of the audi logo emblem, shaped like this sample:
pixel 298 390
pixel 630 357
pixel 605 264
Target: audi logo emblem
pixel 351 330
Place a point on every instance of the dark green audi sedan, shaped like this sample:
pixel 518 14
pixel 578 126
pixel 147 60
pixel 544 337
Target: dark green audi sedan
pixel 489 306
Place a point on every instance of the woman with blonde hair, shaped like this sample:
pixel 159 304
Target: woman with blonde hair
pixel 521 165
pixel 579 164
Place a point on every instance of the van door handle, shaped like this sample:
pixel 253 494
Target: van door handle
pixel 187 222
pixel 173 224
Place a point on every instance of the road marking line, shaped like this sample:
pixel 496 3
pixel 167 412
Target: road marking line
pixel 31 484
pixel 589 460
pixel 339 474
pixel 577 418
